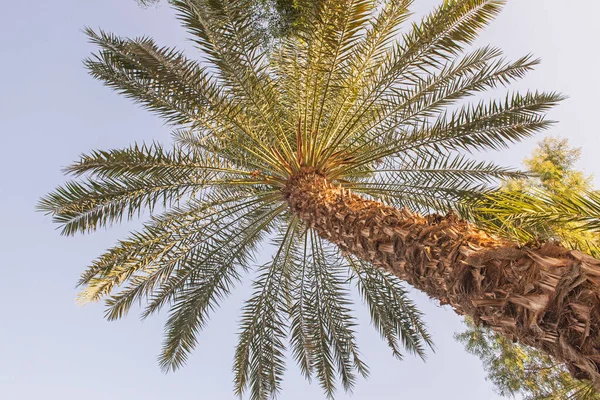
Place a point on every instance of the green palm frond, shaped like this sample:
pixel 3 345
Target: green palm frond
pixel 527 215
pixel 432 92
pixel 259 360
pixel 492 125
pixel 331 324
pixel 160 78
pixel 153 160
pixel 437 39
pixel 123 183
pixel 182 92
pixel 199 230
pixel 223 30
pixel 424 183
pixel 195 291
pixel 392 312
pixel 379 113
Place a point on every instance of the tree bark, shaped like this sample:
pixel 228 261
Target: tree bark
pixel 545 296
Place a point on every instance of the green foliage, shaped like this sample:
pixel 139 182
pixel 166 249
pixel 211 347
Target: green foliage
pixel 518 370
pixel 569 217
pixel 555 203
pixel 342 93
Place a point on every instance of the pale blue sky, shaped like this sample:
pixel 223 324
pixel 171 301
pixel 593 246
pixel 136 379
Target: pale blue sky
pixel 51 111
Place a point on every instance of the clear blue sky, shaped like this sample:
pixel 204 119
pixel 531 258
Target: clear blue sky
pixel 51 111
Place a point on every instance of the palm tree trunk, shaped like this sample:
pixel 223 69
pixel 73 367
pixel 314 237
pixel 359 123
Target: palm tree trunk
pixel 544 296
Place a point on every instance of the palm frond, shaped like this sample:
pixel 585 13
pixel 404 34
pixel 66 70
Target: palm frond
pixel 331 35
pixel 437 39
pixel 332 325
pixel 179 90
pixel 205 280
pixel 87 205
pixel 413 106
pixel 259 360
pixel 149 257
pixel 241 238
pixel 162 79
pixel 223 30
pixel 152 160
pixel 524 215
pixel 123 183
pixel 492 125
pixel 394 315
pixel 426 183
pixel 367 56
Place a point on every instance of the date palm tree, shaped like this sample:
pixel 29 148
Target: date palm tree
pixel 329 148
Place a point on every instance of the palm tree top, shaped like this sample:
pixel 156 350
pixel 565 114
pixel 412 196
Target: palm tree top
pixel 348 96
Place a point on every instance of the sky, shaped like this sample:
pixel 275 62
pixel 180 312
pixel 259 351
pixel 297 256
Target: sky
pixel 51 111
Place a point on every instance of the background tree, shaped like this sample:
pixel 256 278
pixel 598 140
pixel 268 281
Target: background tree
pixel 522 370
pixel 328 147
pixel 513 368
pixel 274 18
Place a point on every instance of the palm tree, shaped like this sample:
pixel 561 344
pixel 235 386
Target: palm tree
pixel 328 147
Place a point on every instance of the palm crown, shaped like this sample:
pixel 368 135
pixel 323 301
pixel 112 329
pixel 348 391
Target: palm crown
pixel 348 96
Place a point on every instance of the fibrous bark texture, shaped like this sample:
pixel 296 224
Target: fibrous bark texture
pixel 546 296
